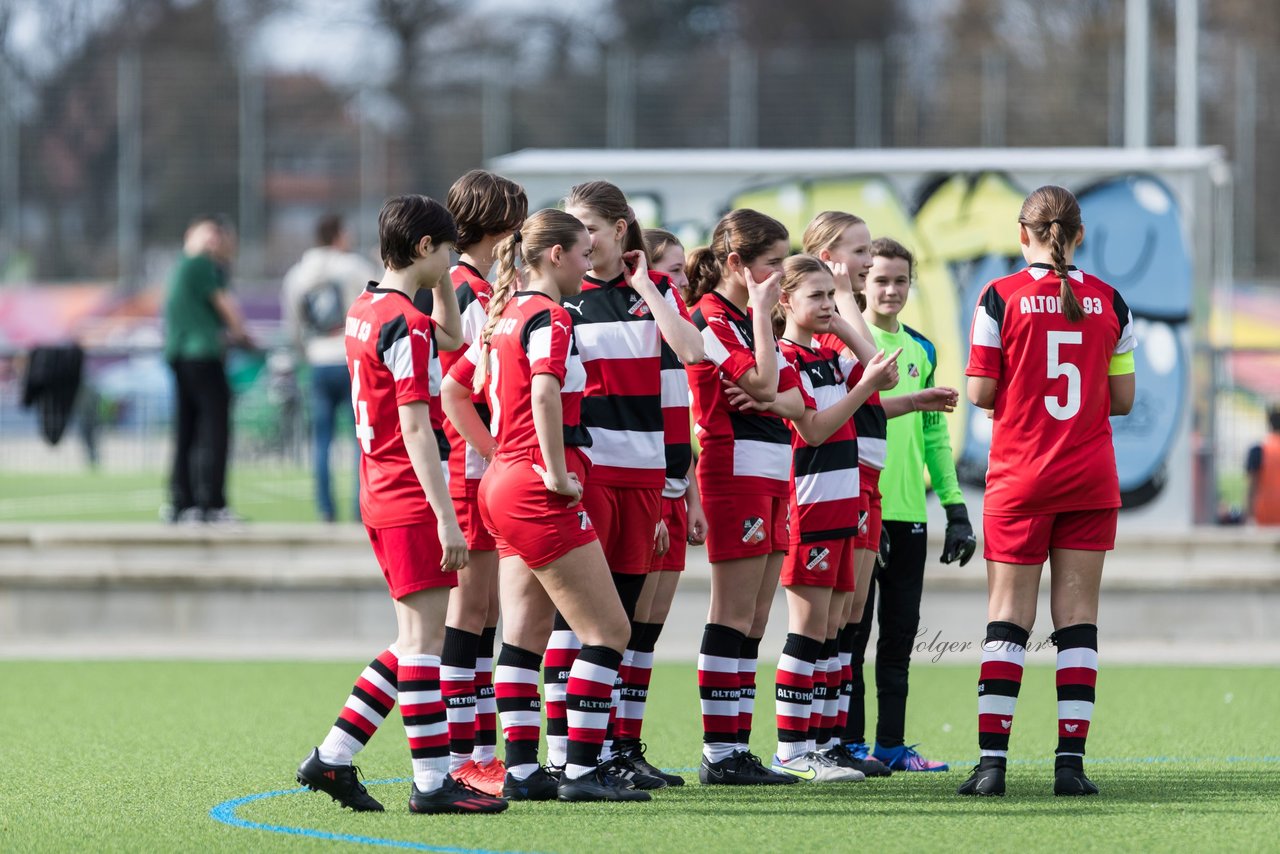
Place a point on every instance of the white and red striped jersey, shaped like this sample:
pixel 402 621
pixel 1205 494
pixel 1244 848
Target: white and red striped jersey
pixel 824 478
pixel 870 423
pixel 637 394
pixel 391 354
pixel 466 466
pixel 741 451
pixel 1051 448
pixel 534 336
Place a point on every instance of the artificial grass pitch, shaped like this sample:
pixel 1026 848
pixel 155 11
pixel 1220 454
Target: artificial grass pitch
pixel 135 756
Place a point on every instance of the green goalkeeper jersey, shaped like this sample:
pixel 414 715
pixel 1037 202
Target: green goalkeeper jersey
pixel 916 440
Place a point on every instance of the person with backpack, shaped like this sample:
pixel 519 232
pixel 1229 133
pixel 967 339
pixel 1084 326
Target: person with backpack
pixel 317 292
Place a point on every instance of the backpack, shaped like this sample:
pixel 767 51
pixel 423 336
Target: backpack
pixel 324 309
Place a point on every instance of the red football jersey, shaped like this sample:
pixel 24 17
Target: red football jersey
pixel 741 451
pixel 870 423
pixel 465 464
pixel 636 403
pixel 534 336
pixel 1051 449
pixel 824 478
pixel 391 354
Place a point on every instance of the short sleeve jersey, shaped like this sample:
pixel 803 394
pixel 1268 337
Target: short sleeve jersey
pixel 534 336
pixel 193 327
pixel 869 420
pixel 466 466
pixel 824 478
pixel 1051 448
pixel 637 396
pixel 391 354
pixel 742 452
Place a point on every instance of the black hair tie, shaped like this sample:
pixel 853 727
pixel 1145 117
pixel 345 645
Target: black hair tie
pixel 515 235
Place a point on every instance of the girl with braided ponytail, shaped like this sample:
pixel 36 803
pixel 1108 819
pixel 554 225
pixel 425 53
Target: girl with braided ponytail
pixel 1051 356
pixel 549 558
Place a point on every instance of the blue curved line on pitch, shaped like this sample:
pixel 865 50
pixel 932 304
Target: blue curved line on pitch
pixel 225 813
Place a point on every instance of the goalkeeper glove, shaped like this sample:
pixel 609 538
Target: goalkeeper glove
pixel 960 543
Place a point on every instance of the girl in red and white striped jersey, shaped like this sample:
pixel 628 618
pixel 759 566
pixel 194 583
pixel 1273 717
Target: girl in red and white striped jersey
pixel 487 208
pixel 819 572
pixel 634 336
pixel 549 557
pixel 843 241
pixel 743 475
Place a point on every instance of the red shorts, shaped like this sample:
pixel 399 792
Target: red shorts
pixel 410 558
pixel 478 537
pixel 675 512
pixel 526 519
pixel 745 525
pixel 1028 539
pixel 869 539
pixel 825 563
pixel 625 520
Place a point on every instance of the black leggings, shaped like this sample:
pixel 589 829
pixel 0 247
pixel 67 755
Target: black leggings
pixel 901 586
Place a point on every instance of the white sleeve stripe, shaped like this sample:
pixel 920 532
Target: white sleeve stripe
pixel 985 331
pixel 540 344
pixel 399 358
pixel 1128 340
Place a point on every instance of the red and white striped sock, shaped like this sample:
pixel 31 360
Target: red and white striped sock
pixel 718 687
pixel 819 698
pixel 637 671
pixel 794 694
pixel 486 705
pixel 588 702
pixel 1077 685
pixel 831 706
pixel 516 689
pixel 562 651
pixel 1004 653
pixel 422 708
pixel 458 686
pixel 371 700
pixel 846 688
pixel 748 660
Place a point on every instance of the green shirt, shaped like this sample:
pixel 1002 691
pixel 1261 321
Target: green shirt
pixel 193 327
pixel 916 440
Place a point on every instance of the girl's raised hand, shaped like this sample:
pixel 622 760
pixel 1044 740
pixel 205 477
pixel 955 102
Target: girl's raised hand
pixel 935 399
pixel 639 264
pixel 882 371
pixel 763 295
pixel 840 273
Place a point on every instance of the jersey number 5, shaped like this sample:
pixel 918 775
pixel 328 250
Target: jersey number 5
pixel 364 429
pixel 1058 368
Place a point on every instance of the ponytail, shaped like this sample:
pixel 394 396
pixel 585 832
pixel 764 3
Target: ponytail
pixel 1071 307
pixel 1052 214
pixel 503 287
pixel 703 273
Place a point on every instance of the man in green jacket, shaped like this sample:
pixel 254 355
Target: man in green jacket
pixel 201 318
pixel 916 441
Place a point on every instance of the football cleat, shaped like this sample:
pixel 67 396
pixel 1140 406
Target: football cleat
pixel 738 769
pixel 538 786
pixel 904 757
pixel 454 797
pixel 987 778
pixel 1069 778
pixel 815 767
pixel 859 758
pixel 340 782
pixel 622 767
pixel 489 777
pixel 633 751
pixel 598 785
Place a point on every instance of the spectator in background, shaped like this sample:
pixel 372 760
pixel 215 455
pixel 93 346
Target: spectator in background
pixel 317 292
pixel 201 318
pixel 1263 468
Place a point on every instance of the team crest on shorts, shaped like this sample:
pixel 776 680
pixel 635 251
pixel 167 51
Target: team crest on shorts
pixel 817 559
pixel 753 530
pixel 864 517
pixel 584 521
